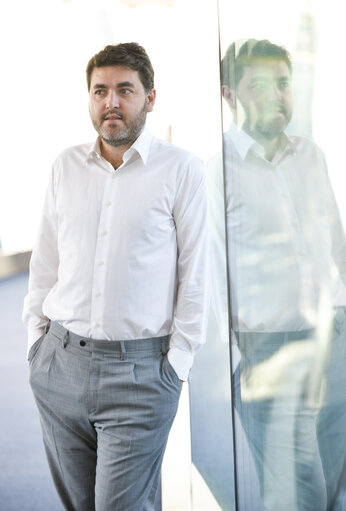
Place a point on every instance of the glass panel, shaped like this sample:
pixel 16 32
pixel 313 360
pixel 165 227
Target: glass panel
pixel 210 392
pixel 286 253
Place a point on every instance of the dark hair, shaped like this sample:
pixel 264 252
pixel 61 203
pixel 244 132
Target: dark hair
pixel 251 52
pixel 130 55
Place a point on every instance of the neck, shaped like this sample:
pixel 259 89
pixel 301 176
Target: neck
pixel 270 145
pixel 113 154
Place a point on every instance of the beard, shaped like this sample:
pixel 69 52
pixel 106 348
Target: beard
pixel 115 136
pixel 271 129
pixel 270 125
pixel 267 123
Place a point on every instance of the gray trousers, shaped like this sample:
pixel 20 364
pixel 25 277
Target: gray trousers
pixel 279 424
pixel 106 408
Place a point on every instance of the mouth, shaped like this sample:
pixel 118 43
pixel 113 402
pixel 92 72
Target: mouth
pixel 276 109
pixel 112 117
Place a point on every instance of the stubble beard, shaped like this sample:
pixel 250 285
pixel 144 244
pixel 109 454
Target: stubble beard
pixel 271 127
pixel 127 135
pixel 270 130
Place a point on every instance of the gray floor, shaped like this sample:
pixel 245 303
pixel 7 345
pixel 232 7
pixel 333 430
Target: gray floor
pixel 25 483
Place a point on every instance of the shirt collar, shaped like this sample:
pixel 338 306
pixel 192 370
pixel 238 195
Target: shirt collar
pixel 94 151
pixel 141 146
pixel 288 143
pixel 241 140
pixel 244 142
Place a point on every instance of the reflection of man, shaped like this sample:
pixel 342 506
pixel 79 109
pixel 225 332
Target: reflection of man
pixel 286 247
pixel 118 277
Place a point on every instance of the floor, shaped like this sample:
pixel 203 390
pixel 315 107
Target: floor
pixel 25 483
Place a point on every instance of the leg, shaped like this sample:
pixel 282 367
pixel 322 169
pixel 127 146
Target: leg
pixel 280 428
pixel 136 401
pixel 331 426
pixel 59 383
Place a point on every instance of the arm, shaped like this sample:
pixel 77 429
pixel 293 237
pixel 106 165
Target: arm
pixel 337 232
pixel 43 268
pixel 191 311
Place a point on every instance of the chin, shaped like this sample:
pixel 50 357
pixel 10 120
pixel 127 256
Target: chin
pixel 271 130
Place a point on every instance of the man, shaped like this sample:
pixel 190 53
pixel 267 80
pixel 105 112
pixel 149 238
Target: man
pixel 286 256
pixel 117 280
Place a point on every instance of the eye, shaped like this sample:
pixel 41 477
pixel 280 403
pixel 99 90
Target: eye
pixel 259 85
pixel 284 84
pixel 99 92
pixel 126 92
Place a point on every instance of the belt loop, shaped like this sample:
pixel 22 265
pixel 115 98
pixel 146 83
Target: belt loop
pixel 46 330
pixel 123 350
pixel 65 339
pixel 165 345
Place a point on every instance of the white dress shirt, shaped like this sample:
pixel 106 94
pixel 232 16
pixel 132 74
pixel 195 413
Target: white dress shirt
pixel 286 244
pixel 121 254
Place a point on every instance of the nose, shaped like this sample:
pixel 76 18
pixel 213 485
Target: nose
pixel 112 100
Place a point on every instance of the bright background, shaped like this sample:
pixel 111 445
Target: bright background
pixel 46 45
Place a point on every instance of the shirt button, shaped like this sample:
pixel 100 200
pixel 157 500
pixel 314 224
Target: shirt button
pixel 97 325
pixel 104 233
pixel 101 263
pixel 108 203
pixel 82 343
pixel 98 294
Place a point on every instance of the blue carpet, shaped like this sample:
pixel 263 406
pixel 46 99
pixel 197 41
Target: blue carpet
pixel 25 482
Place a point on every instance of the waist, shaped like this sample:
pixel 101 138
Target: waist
pixel 90 345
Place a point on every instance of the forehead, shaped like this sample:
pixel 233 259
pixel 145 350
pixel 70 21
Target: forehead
pixel 111 76
pixel 268 69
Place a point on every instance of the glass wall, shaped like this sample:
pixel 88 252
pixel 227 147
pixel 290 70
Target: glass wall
pixel 277 215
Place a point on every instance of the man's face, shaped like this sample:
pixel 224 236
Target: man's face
pixel 118 104
pixel 265 93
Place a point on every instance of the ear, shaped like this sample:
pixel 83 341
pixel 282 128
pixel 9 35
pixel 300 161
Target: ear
pixel 230 96
pixel 151 100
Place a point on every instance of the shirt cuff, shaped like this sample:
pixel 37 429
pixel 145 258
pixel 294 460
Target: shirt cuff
pixel 34 335
pixel 181 361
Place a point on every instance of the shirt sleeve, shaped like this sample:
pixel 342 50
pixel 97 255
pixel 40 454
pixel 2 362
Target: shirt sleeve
pixel 337 232
pixel 44 265
pixel 191 311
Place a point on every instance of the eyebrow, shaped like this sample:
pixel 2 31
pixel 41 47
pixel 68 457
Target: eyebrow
pixel 269 79
pixel 99 86
pixel 125 84
pixel 261 78
pixel 119 85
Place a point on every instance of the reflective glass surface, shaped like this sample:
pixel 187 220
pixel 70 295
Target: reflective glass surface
pixel 286 255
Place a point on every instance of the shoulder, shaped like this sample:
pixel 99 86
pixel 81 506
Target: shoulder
pixel 69 163
pixel 174 155
pixel 77 153
pixel 305 145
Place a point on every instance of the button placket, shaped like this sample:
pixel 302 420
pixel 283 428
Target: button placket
pixel 293 225
pixel 102 249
